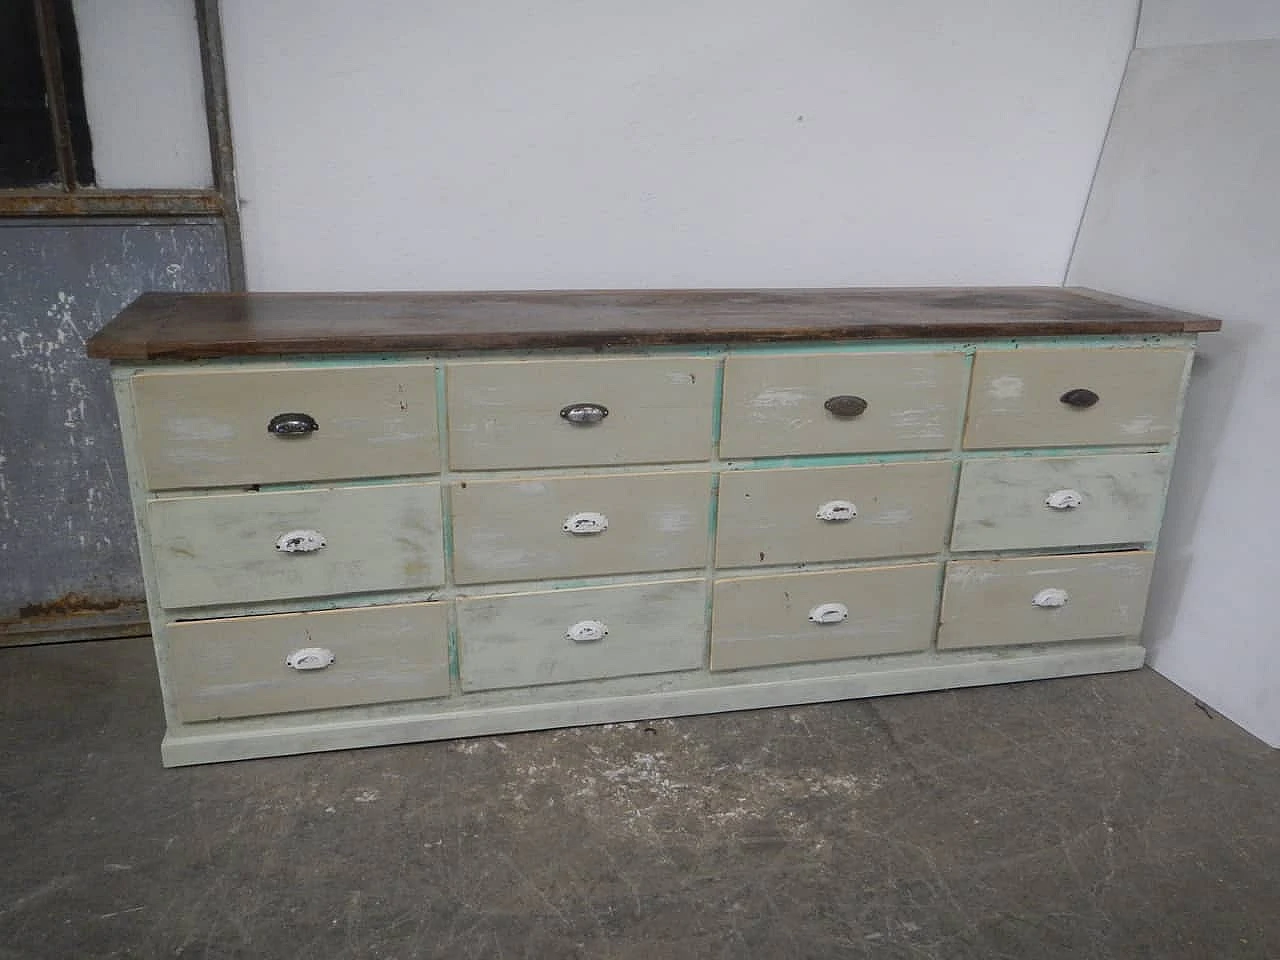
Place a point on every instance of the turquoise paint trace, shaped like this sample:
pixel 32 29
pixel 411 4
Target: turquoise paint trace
pixel 321 361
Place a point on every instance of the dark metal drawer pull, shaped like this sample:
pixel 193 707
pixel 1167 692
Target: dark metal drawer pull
pixel 1079 398
pixel 584 413
pixel 292 425
pixel 846 406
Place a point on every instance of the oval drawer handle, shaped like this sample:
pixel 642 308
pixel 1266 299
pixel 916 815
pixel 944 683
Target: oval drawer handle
pixel 829 613
pixel 587 631
pixel 301 541
pixel 1050 597
pixel 586 523
pixel 584 413
pixel 1064 499
pixel 846 406
pixel 1080 398
pixel 837 511
pixel 309 658
pixel 292 425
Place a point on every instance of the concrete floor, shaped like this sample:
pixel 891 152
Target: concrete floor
pixel 1104 817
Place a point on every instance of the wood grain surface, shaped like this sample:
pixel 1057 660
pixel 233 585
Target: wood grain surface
pixel 192 326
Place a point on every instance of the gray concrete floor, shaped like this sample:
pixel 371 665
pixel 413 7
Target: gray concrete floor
pixel 1101 817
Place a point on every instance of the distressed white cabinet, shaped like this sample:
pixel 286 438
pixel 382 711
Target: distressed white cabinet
pixel 394 517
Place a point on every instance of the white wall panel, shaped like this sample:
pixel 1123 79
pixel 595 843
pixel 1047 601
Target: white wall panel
pixel 1184 212
pixel 1168 23
pixel 619 144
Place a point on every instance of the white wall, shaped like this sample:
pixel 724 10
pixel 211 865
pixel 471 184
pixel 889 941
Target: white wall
pixel 1170 23
pixel 610 143
pixel 1185 211
pixel 143 92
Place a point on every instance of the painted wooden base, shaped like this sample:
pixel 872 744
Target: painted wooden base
pixel 279 736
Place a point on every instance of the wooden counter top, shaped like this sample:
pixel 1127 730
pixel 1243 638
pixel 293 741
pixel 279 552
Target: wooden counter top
pixel 165 326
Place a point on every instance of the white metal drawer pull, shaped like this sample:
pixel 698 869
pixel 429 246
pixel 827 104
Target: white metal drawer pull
pixel 301 541
pixel 1050 597
pixel 829 613
pixel 836 511
pixel 587 631
pixel 586 523
pixel 1064 499
pixel 309 658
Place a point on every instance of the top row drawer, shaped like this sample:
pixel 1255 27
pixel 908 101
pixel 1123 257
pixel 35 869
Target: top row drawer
pixel 222 427
pixel 825 403
pixel 210 428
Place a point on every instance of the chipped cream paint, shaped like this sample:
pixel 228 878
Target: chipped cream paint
pixel 774 405
pixel 552 701
pixel 676 520
pixel 890 518
pixel 1005 388
pixel 1140 391
pixel 773 399
pixel 1138 426
pixel 200 429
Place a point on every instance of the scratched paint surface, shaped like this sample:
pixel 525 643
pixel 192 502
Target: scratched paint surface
pixel 65 523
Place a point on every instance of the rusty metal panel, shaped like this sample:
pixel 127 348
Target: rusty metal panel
pixel 91 202
pixel 68 555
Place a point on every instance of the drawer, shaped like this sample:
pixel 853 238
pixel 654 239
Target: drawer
pixel 776 405
pixel 1039 502
pixel 561 636
pixel 227 549
pixel 1019 397
pixel 509 413
pixel 989 603
pixel 761 621
pixel 778 516
pixel 237 667
pixel 206 428
pixel 517 529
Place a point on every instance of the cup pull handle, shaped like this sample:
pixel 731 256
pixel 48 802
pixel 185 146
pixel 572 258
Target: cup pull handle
pixel 587 631
pixel 309 658
pixel 846 406
pixel 586 523
pixel 292 424
pixel 301 541
pixel 836 511
pixel 825 613
pixel 1064 499
pixel 1080 398
pixel 1050 597
pixel 584 413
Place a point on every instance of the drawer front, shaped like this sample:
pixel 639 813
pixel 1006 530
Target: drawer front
pixel 1017 398
pixel 516 529
pixel 525 639
pixel 832 513
pixel 1060 501
pixel 762 621
pixel 237 667
pixel 777 405
pixel 228 549
pixel 990 603
pixel 508 413
pixel 206 428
